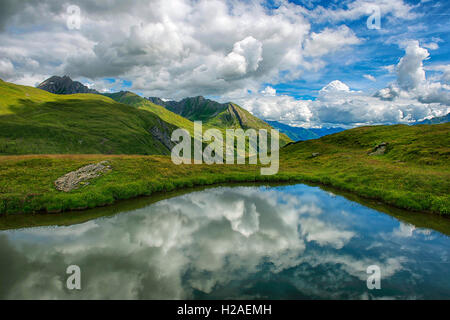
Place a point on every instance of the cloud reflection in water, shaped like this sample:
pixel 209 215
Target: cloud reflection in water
pixel 242 242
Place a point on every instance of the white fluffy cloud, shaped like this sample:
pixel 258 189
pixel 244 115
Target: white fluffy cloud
pixel 6 68
pixel 329 41
pixel 361 8
pixel 245 58
pixel 269 91
pixel 410 72
pixel 171 49
pixel 412 82
pixel 334 87
pixel 410 98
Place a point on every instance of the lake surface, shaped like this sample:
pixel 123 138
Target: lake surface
pixel 285 242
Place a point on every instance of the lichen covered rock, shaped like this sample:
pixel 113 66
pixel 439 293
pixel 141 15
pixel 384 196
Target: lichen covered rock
pixel 379 149
pixel 75 179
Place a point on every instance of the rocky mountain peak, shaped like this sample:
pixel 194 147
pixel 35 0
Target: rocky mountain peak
pixel 64 85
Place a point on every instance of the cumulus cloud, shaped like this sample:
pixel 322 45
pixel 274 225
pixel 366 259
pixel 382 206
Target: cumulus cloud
pixel 410 72
pixel 6 68
pixel 335 86
pixel 408 99
pixel 412 83
pixel 269 91
pixel 277 107
pixel 172 49
pixel 363 8
pixel 329 41
pixel 245 57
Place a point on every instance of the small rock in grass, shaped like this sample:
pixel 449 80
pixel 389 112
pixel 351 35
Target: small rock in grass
pixel 75 179
pixel 379 149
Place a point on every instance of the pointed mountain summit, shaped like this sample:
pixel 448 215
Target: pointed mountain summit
pixel 216 115
pixel 193 108
pixel 64 85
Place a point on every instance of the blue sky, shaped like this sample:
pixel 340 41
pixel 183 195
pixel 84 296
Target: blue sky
pixel 379 48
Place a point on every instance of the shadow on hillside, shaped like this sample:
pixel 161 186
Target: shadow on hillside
pixel 79 126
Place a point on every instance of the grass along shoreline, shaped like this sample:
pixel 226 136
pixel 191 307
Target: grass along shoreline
pixel 414 174
pixel 436 222
pixel 108 189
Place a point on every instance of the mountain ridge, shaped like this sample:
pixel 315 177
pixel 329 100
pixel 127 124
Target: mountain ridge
pixel 178 113
pixel 192 108
pixel 34 121
pixel 301 134
pixel 435 120
pixel 217 115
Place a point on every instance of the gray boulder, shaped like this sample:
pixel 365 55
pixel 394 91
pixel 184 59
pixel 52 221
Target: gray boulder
pixel 75 179
pixel 379 149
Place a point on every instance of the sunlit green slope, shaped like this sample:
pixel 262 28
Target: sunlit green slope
pixel 33 121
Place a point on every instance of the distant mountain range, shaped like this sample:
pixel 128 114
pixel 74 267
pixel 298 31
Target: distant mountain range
pixel 436 120
pixel 299 133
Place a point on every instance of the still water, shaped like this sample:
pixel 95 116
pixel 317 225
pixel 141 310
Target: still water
pixel 285 242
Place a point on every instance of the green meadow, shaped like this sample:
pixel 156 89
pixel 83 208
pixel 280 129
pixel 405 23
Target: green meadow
pixel 413 174
pixel 33 121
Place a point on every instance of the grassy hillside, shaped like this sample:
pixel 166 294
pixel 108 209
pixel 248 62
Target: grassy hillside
pixel 35 121
pixel 218 115
pixel 196 108
pixel 418 145
pixel 414 174
pixel 135 100
pixel 236 117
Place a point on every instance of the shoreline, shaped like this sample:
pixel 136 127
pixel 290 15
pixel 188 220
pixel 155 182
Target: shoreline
pixel 187 183
pixel 438 222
